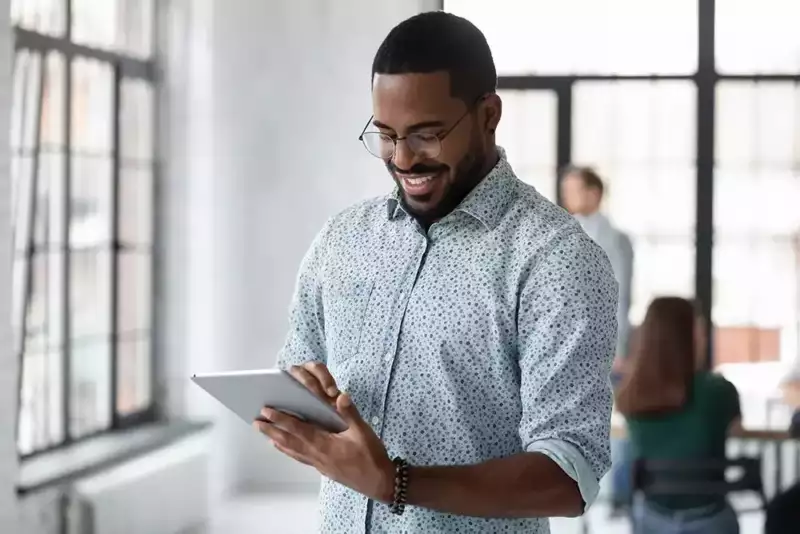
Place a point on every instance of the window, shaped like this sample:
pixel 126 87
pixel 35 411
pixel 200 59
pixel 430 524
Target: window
pixel 690 110
pixel 757 220
pixel 528 133
pixel 757 37
pixel 586 36
pixel 639 135
pixel 82 170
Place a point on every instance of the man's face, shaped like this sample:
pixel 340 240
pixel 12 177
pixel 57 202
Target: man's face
pixel 421 103
pixel 576 197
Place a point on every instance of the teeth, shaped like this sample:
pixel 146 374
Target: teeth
pixel 419 181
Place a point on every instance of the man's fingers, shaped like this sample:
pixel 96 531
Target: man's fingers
pixel 292 454
pixel 320 371
pixel 281 436
pixel 347 409
pixel 311 382
pixel 290 425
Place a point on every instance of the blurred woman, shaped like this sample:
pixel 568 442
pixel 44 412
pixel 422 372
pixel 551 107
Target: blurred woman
pixel 675 409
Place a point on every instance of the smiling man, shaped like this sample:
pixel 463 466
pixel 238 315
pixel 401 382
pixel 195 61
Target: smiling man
pixel 470 322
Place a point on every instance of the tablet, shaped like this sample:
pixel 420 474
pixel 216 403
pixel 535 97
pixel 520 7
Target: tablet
pixel 246 392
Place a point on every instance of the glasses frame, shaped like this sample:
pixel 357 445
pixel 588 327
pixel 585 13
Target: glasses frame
pixel 440 137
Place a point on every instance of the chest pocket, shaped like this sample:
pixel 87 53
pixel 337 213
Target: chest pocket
pixel 345 304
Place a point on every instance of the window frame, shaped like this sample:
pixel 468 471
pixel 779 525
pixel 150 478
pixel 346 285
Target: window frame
pixel 706 80
pixel 124 67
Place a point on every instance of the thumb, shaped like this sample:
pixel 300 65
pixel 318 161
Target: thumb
pixel 347 409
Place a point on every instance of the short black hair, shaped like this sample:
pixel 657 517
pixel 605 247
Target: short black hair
pixel 437 41
pixel 589 176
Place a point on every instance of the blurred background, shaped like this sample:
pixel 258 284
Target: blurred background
pixel 169 161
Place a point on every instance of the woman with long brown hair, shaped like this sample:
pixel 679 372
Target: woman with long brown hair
pixel 676 409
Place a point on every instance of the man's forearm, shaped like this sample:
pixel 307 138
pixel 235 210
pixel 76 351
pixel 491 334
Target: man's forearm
pixel 523 485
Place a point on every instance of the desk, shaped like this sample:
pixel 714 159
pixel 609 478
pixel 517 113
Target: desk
pixel 776 436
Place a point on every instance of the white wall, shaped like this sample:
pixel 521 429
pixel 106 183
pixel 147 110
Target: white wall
pixel 8 363
pixel 264 105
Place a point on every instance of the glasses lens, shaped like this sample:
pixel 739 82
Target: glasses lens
pixel 379 145
pixel 424 145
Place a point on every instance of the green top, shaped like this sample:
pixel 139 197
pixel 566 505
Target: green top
pixel 698 430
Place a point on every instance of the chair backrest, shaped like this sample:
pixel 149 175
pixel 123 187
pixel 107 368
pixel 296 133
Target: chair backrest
pixel 705 477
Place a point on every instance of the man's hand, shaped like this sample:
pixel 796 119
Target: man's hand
pixel 355 458
pixel 316 377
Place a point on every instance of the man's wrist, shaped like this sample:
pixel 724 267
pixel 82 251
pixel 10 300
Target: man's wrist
pixel 387 484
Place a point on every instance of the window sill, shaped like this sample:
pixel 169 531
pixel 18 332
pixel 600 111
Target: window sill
pixel 88 457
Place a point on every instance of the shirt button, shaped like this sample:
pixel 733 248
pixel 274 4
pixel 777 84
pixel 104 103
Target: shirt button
pixel 376 421
pixel 388 357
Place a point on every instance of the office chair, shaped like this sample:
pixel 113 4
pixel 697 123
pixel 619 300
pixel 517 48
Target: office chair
pixel 699 477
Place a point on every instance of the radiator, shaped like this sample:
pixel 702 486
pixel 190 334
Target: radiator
pixel 165 492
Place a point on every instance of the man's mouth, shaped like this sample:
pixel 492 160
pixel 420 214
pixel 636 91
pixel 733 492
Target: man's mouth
pixel 419 184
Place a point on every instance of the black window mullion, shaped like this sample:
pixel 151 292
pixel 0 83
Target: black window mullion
pixel 563 132
pixel 706 109
pixel 115 244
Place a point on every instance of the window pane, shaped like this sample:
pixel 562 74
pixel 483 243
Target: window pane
pixel 53 110
pixel 136 206
pixel 136 120
pixel 19 282
pixel 44 306
pixel 635 122
pixel 90 293
pixel 90 207
pixel 758 123
pixel 134 389
pixel 663 266
pixel 121 25
pixel 640 137
pixel 22 169
pixel 41 396
pixel 41 422
pixel 586 36
pixel 90 387
pixel 50 216
pixel 135 292
pixel 92 107
pixel 43 16
pixel 528 132
pixel 758 37
pixel 757 222
pixel 24 109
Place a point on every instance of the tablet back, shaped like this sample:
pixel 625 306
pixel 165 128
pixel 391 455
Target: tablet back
pixel 246 392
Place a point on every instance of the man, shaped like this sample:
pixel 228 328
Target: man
pixel 471 322
pixel 582 193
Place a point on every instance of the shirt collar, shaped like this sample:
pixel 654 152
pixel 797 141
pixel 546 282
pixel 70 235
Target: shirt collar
pixel 487 203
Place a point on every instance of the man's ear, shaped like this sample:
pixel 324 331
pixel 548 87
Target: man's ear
pixel 493 110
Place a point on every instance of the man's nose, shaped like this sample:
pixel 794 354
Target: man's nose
pixel 404 157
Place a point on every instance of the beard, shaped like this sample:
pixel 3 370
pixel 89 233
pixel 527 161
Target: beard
pixel 469 172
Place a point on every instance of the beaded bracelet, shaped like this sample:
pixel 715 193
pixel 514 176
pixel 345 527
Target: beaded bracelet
pixel 398 505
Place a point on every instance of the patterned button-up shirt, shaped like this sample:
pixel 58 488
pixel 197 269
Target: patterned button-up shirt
pixel 489 335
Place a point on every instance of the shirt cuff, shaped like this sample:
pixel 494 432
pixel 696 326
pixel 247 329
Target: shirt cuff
pixel 572 462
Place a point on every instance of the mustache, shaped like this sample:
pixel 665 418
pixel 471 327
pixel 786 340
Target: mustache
pixel 416 169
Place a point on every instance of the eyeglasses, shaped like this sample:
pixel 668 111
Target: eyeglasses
pixel 424 145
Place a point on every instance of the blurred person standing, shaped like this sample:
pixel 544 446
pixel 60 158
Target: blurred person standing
pixel 462 325
pixel 582 194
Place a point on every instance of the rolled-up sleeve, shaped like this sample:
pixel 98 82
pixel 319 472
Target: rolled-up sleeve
pixel 567 328
pixel 305 341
